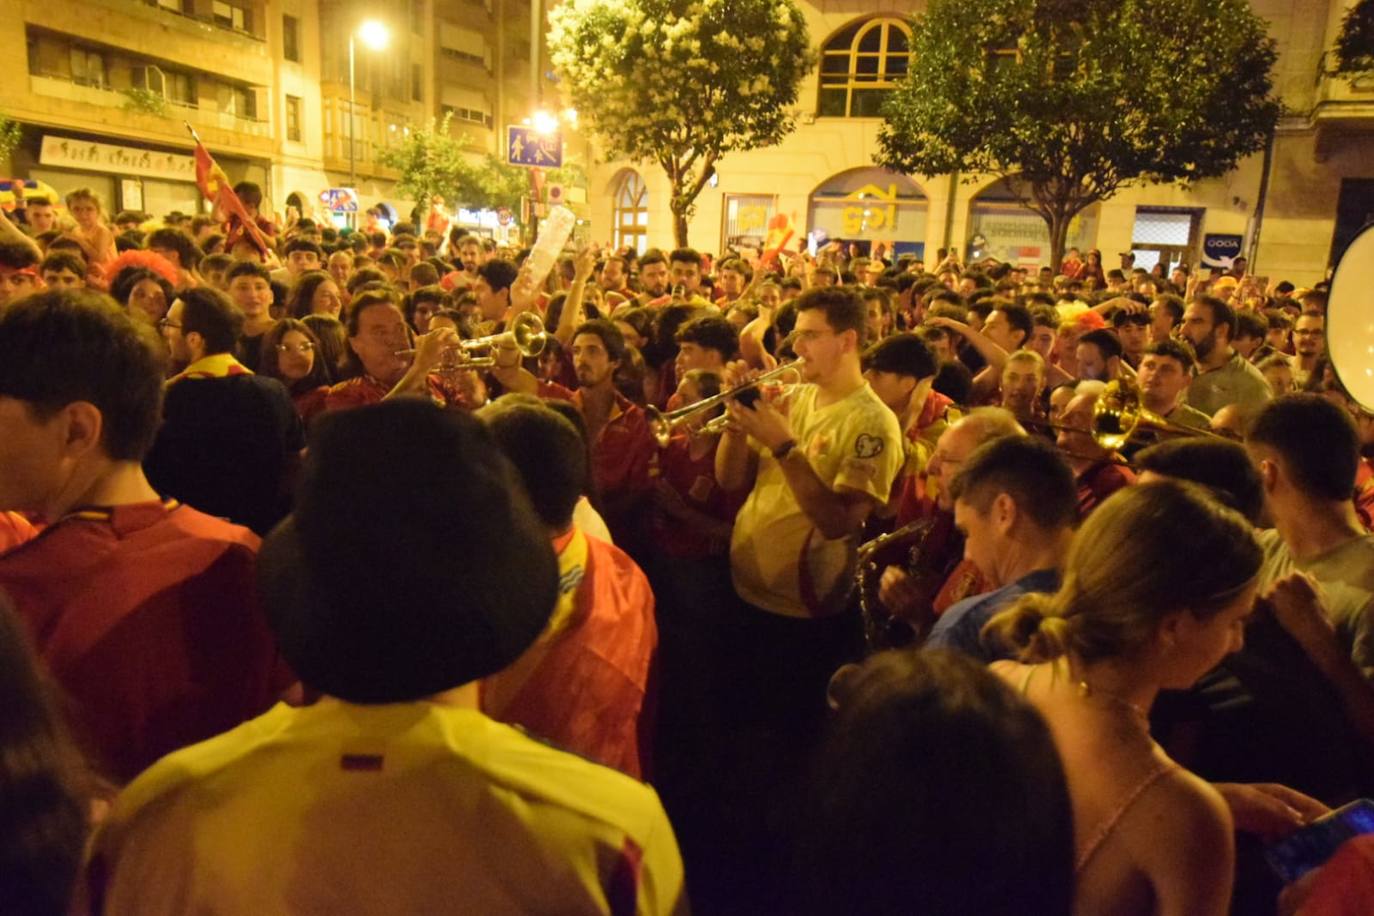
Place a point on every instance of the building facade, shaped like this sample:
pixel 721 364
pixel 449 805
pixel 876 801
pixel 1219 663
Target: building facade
pixel 1290 211
pixel 112 85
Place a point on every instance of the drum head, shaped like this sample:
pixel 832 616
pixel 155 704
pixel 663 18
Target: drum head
pixel 1350 319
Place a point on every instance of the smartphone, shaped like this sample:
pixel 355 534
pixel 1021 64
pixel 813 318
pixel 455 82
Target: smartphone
pixel 1309 848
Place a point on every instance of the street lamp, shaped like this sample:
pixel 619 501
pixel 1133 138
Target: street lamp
pixel 375 36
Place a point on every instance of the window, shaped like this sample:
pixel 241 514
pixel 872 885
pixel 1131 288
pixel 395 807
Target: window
pixel 175 6
pixel 470 115
pixel 88 68
pixel 180 88
pixel 291 38
pixel 630 211
pixel 239 101
pixel 229 15
pixel 293 119
pixel 417 82
pixel 860 65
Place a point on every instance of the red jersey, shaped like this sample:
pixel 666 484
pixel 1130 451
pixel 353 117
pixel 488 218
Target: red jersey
pixel 623 450
pixel 583 684
pixel 147 615
pixel 310 404
pixel 365 390
pixel 695 481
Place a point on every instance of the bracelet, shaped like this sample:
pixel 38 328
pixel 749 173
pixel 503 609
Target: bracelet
pixel 782 451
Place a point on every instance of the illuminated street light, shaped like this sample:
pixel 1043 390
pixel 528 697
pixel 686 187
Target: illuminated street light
pixel 375 36
pixel 544 122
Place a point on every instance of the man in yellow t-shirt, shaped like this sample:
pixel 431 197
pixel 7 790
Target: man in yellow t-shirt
pixel 818 463
pixel 393 793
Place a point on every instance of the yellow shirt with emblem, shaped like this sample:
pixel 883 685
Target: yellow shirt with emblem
pixel 780 561
pixel 397 808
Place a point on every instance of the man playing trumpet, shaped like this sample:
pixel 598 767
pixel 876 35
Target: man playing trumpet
pixel 816 464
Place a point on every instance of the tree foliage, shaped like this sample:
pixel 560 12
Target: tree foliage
pixel 432 161
pixel 682 82
pixel 11 133
pixel 1355 43
pixel 1079 98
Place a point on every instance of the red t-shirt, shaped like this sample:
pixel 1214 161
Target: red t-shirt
pixel 695 481
pixel 147 615
pixel 1100 481
pixel 15 530
pixel 310 404
pixel 623 450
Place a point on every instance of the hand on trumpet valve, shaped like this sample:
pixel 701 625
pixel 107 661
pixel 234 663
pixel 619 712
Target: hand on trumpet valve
pixel 430 348
pixel 898 592
pixel 763 422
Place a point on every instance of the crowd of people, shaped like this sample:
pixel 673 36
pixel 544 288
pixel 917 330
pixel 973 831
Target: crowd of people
pixel 329 582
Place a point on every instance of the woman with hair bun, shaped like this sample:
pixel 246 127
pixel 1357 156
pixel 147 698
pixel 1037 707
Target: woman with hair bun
pixel 1157 586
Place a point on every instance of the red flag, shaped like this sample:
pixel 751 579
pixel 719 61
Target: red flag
pixel 216 187
pixel 780 232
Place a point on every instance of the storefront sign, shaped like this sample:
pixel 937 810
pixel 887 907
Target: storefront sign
pixel 122 160
pixel 871 209
pixel 1220 250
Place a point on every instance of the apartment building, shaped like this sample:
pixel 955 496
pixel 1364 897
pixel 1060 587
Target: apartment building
pixel 111 86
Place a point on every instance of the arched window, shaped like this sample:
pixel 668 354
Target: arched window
pixel 630 211
pixel 860 64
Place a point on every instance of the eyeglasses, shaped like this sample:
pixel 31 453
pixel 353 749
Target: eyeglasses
pixel 165 323
pixel 302 349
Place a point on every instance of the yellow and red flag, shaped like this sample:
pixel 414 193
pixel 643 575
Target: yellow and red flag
pixel 780 232
pixel 219 190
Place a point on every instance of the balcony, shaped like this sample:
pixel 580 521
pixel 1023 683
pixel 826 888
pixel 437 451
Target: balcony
pixel 56 87
pixel 158 33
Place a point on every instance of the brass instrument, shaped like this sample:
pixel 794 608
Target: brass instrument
pixel 883 629
pixel 526 334
pixel 1119 414
pixel 664 424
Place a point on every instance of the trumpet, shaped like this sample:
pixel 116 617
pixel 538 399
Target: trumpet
pixel 664 424
pixel 1120 413
pixel 526 334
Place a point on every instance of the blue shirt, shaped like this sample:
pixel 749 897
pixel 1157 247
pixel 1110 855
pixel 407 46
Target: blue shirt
pixel 960 625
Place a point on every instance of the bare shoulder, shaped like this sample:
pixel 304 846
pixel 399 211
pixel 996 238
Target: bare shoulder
pixel 1193 815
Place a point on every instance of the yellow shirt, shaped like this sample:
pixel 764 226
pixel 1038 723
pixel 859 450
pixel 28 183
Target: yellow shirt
pixel 402 808
pixel 779 559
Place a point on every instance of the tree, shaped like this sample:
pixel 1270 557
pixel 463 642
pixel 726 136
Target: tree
pixel 432 161
pixel 1078 98
pixel 682 82
pixel 1355 43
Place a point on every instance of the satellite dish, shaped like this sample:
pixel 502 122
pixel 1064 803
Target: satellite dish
pixel 1350 319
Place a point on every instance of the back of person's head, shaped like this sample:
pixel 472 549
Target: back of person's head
pixel 938 791
pixel 1316 441
pixel 1222 467
pixel 547 451
pixel 498 273
pixel 711 332
pixel 17 256
pixel 179 241
pixel 1029 470
pixel 381 612
pixel 954 380
pixel 61 347
pixel 210 313
pixel 249 193
pixel 844 310
pixel 903 354
pixel 44 785
pixel 1148 551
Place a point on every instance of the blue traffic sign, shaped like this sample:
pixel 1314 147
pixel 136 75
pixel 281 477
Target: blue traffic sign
pixel 340 200
pixel 526 146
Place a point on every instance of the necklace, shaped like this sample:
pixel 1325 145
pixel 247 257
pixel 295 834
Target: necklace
pixel 1087 690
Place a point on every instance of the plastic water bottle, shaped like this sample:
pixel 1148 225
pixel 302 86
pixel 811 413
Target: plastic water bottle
pixel 554 233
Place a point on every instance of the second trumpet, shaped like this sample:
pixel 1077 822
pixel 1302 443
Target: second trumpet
pixel 663 424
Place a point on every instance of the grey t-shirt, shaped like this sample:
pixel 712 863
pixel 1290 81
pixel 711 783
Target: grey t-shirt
pixel 1346 576
pixel 1237 382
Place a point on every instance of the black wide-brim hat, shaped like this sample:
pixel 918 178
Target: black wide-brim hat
pixel 412 564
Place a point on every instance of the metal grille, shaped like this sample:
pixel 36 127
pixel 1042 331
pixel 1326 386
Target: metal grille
pixel 1157 228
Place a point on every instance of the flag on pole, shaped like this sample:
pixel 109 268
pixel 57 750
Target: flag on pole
pixel 780 232
pixel 218 189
